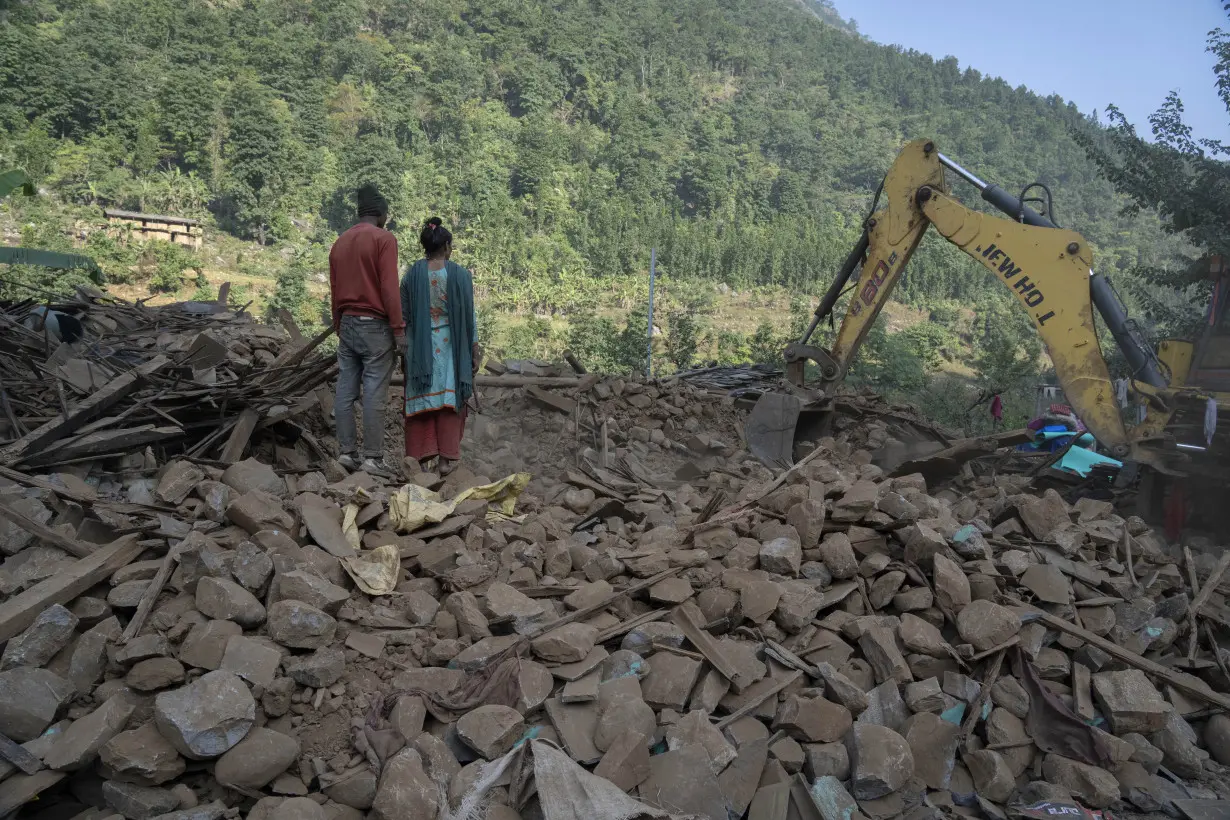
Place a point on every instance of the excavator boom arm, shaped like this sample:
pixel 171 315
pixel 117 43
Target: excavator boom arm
pixel 1046 268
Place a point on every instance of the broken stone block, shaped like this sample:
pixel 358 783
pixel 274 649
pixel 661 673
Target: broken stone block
pixel 255 761
pixel 226 600
pixel 924 696
pixel 826 760
pixel 1008 693
pixel 504 602
pixel 682 782
pixel 813 720
pixel 670 681
pixel 879 647
pixel 178 479
pixel 880 761
pixel 142 648
pixel 694 729
pixel 566 644
pixel 962 687
pixel 155 673
pixel 355 788
pixel 952 591
pixel 919 636
pixel 856 502
pixel 834 802
pixel 294 808
pixel 300 626
pixel 1043 515
pixel 992 776
pixel 1177 740
pixel 491 730
pixel 884 588
pixel 670 591
pixel 257 510
pixel 838 555
pixel 797 607
pixel 885 706
pixel 1092 786
pixel 30 699
pixel 38 643
pixel 986 625
pixel 300 585
pixel 208 716
pixel 807 518
pixel 841 689
pixel 781 556
pixel 1007 730
pixel 252 659
pixel 1216 740
pixel 141 756
pixel 915 599
pixel 922 543
pixel 250 474
pixel 1130 702
pixel 405 789
pixel 138 802
pixel 252 567
pixel 78 746
pixel 206 643
pixel 933 745
pixel 626 762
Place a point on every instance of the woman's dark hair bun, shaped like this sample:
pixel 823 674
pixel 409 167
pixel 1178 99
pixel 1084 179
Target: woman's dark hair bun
pixel 434 236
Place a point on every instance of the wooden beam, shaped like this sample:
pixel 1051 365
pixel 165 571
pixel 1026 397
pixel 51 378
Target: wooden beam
pixel 40 530
pixel 237 444
pixel 19 756
pixel 65 423
pixel 1187 684
pixel 20 611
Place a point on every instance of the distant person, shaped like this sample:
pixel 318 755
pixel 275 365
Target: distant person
pixel 367 316
pixel 437 299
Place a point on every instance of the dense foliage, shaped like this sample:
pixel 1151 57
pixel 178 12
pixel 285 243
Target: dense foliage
pixel 1186 180
pixel 561 141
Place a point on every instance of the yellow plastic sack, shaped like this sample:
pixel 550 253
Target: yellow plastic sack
pixel 414 507
pixel 377 571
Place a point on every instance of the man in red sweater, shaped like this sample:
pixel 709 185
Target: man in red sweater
pixel 370 330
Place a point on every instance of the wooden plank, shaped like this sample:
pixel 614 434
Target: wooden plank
pixel 20 611
pixel 146 604
pixel 1203 596
pixel 1187 684
pixel 65 423
pixel 42 484
pixel 702 640
pixel 753 705
pixel 237 444
pixel 17 754
pixel 293 355
pixel 40 530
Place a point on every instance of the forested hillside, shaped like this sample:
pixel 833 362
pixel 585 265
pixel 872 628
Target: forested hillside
pixel 560 140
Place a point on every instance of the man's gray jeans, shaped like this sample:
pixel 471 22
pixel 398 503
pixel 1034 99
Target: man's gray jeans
pixel 365 356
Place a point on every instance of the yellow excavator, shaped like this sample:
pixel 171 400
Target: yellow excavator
pixel 1185 385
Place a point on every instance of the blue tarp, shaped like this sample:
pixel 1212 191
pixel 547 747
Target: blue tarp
pixel 1080 459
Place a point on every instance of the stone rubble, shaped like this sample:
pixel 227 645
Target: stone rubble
pixel 867 636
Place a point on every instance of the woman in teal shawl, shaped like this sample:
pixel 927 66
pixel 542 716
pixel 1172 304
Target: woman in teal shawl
pixel 442 353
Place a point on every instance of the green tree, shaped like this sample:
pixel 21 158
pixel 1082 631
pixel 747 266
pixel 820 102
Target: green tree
pixel 1186 180
pixel 256 153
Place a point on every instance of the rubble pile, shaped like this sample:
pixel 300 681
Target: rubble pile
pixel 662 627
pixel 95 377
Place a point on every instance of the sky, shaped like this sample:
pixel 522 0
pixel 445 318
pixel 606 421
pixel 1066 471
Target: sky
pixel 1092 52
